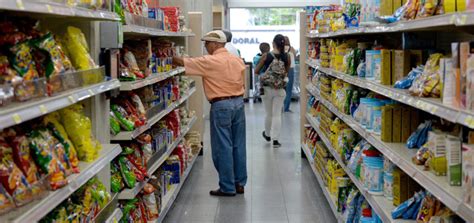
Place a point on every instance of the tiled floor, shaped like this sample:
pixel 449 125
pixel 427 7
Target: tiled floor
pixel 281 186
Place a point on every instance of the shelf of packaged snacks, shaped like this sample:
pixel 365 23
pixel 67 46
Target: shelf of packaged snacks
pixel 429 23
pixel 130 135
pixel 18 112
pixel 170 197
pixel 115 216
pixel 382 206
pixel 169 150
pixel 131 193
pixel 154 78
pixel 400 155
pixel 329 197
pixel 147 31
pixel 431 105
pixel 34 211
pixel 56 9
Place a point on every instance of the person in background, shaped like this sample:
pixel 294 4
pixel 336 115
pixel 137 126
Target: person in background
pixel 229 46
pixel 291 75
pixel 274 81
pixel 264 48
pixel 222 75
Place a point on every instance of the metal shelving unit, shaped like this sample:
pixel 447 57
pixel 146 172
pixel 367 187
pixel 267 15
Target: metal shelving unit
pixel 380 204
pixel 429 23
pixel 57 10
pixel 130 135
pixel 131 193
pixel 136 30
pixel 431 105
pixel 401 156
pixel 34 211
pixel 170 197
pixel 20 112
pixel 329 197
pixel 152 79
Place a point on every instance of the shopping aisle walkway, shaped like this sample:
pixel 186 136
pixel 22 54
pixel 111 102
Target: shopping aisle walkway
pixel 281 185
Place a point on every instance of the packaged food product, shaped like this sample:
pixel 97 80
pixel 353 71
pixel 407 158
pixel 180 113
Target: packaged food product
pixel 78 127
pixel 6 201
pixel 150 202
pixel 122 116
pixel 22 61
pixel 126 170
pixel 131 63
pixel 12 178
pixel 116 182
pixel 43 145
pixel 53 122
pixel 78 49
pixel 114 124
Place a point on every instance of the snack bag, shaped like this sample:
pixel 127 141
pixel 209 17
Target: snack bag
pixel 136 157
pixel 42 145
pixel 114 124
pixel 78 127
pixel 122 116
pixel 76 44
pixel 116 182
pixel 6 201
pixel 52 120
pixel 151 206
pixel 7 73
pixel 128 176
pixel 13 180
pixel 22 61
pixel 24 161
pixel 131 64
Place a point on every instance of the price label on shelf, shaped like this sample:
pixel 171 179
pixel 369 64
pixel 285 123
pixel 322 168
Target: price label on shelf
pixel 49 8
pixel 91 14
pixel 453 19
pixel 20 5
pixel 72 99
pixel 91 92
pixel 16 118
pixel 463 19
pixel 469 121
pixel 43 109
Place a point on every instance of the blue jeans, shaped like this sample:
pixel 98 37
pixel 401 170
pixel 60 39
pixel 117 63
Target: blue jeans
pixel 289 89
pixel 228 143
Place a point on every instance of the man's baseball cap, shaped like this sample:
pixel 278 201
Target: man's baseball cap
pixel 215 36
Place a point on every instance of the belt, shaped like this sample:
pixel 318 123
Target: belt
pixel 214 100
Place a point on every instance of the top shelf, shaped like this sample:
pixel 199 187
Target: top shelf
pixel 430 23
pixel 57 10
pixel 135 30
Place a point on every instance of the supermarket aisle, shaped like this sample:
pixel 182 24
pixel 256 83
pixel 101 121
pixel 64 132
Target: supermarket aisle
pixel 281 187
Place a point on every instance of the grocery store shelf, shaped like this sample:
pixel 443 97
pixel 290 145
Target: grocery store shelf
pixel 20 112
pixel 170 197
pixel 134 30
pixel 154 78
pixel 115 217
pixel 429 23
pixel 131 193
pixel 431 105
pixel 130 135
pixel 170 149
pixel 439 186
pixel 34 211
pixel 329 197
pixel 57 10
pixel 382 206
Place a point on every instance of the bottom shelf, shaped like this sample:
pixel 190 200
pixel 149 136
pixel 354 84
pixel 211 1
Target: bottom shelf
pixel 170 197
pixel 329 197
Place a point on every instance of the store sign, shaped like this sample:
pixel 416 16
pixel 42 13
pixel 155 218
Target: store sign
pixel 245 41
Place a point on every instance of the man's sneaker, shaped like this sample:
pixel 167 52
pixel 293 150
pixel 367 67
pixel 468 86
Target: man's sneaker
pixel 276 144
pixel 266 137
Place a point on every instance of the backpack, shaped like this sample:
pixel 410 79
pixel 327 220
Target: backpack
pixel 274 76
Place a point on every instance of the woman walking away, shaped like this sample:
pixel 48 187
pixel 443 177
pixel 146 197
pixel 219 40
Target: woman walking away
pixel 291 74
pixel 274 81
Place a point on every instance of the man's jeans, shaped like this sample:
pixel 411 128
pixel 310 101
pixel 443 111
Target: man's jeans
pixel 289 89
pixel 228 143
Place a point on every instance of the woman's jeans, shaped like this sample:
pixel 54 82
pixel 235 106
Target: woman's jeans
pixel 273 101
pixel 289 89
pixel 228 143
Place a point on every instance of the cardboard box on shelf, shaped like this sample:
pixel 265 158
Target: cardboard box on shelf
pixel 386 7
pixel 454 157
pixel 406 125
pixel 386 133
pixel 457 74
pixel 415 119
pixel 386 67
pixel 401 64
pixel 449 6
pixel 397 124
pixel 400 186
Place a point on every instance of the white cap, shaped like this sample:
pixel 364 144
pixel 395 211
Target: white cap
pixel 215 36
